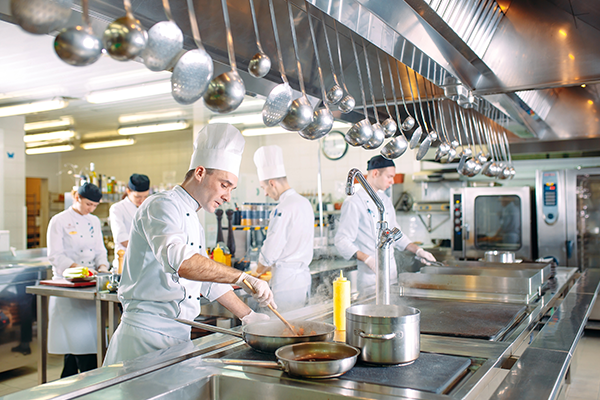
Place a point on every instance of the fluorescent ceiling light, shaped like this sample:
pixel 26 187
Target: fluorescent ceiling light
pixel 277 130
pixel 50 149
pixel 57 135
pixel 152 116
pixel 54 123
pixel 163 127
pixel 130 92
pixel 107 143
pixel 238 119
pixel 33 107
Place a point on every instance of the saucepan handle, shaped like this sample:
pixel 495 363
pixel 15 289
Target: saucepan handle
pixel 246 363
pixel 210 328
pixel 386 336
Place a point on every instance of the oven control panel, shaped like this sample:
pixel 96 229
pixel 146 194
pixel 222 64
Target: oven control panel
pixel 457 221
pixel 550 196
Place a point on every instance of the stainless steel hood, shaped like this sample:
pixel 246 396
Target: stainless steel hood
pixel 526 50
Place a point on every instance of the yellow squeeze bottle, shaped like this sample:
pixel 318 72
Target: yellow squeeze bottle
pixel 341 301
pixel 218 255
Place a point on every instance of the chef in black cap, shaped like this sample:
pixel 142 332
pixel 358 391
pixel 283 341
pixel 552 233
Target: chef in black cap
pixel 357 232
pixel 121 213
pixel 75 240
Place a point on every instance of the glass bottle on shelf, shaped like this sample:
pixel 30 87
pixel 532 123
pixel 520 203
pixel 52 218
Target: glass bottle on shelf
pixel 93 174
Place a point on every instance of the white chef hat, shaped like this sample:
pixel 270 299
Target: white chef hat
pixel 219 146
pixel 269 162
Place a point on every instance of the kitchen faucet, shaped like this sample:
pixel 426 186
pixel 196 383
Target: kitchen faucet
pixel 386 238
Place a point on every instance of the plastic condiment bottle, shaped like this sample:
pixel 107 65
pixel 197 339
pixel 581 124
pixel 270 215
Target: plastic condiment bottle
pixel 218 255
pixel 341 301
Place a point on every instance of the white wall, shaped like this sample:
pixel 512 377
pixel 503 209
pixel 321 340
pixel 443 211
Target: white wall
pixel 13 213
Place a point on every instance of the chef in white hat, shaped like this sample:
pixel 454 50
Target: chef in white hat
pixel 288 249
pixel 166 269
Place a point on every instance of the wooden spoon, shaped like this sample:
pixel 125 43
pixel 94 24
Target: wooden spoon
pixel 290 326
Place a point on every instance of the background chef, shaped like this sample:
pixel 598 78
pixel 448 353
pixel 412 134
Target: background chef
pixel 166 268
pixel 121 213
pixel 357 230
pixel 75 240
pixel 288 249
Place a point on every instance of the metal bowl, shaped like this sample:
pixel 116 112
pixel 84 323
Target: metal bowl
pixel 506 257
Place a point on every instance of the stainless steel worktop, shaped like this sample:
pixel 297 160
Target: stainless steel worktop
pixel 530 361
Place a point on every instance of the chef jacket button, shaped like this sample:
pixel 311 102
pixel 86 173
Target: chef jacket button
pixel 189 297
pixel 191 244
pixel 187 214
pixel 197 298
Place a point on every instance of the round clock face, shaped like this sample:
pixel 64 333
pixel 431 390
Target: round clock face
pixel 334 145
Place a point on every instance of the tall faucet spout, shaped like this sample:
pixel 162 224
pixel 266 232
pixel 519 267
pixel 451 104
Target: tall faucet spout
pixel 356 174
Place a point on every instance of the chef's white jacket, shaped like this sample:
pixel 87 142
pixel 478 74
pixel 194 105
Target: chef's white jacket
pixel 289 250
pixel 121 216
pixel 165 232
pixel 73 238
pixel 357 230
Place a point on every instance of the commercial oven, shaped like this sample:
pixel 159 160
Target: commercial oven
pixel 492 218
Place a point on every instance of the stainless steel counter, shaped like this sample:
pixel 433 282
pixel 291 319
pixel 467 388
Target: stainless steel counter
pixel 530 361
pixel 106 311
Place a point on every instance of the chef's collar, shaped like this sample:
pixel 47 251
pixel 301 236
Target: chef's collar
pixel 285 194
pixel 186 197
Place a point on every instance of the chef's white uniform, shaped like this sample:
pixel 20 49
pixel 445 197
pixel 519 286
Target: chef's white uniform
pixel 357 230
pixel 289 250
pixel 165 232
pixel 121 216
pixel 73 238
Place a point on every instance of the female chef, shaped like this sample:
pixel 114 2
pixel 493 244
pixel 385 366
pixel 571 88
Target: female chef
pixel 75 240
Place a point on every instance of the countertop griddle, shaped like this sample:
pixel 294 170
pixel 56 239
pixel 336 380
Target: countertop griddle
pixel 476 320
pixel 430 372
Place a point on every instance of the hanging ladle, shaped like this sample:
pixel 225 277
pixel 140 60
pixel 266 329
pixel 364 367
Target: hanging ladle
pixel 300 114
pixel 226 92
pixel 409 121
pixel 280 98
pixel 389 125
pixel 260 63
pixel 362 131
pixel 444 146
pixel 165 42
pixel 77 45
pixel 125 38
pixel 416 136
pixel 347 103
pixel 432 135
pixel 398 145
pixel 322 118
pixel 41 17
pixel 336 93
pixel 378 134
pixel 193 71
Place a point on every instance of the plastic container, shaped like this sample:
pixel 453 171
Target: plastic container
pixel 219 256
pixel 341 301
pixel 246 220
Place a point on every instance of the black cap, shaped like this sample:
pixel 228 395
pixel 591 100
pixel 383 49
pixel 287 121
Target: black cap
pixel 139 183
pixel 90 191
pixel 379 161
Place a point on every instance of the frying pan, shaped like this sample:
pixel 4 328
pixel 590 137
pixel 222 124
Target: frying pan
pixel 314 360
pixel 268 336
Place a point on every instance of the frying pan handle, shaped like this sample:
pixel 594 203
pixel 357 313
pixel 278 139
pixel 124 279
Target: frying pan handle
pixel 387 336
pixel 245 363
pixel 210 328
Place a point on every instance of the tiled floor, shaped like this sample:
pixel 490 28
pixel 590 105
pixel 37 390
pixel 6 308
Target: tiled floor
pixel 585 371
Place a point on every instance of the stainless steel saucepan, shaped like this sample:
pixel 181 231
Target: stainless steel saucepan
pixel 268 336
pixel 314 360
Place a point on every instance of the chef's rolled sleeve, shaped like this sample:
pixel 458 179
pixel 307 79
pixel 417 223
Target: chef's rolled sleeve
pixel 347 230
pixel 212 291
pixel 167 239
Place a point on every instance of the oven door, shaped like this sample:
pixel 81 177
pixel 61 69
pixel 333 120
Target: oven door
pixel 496 219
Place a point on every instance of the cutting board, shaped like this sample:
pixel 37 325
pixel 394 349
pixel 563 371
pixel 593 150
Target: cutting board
pixel 66 283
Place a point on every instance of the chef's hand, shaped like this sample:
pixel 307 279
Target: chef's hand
pixel 262 294
pixel 254 317
pixel 102 269
pixel 371 263
pixel 426 255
